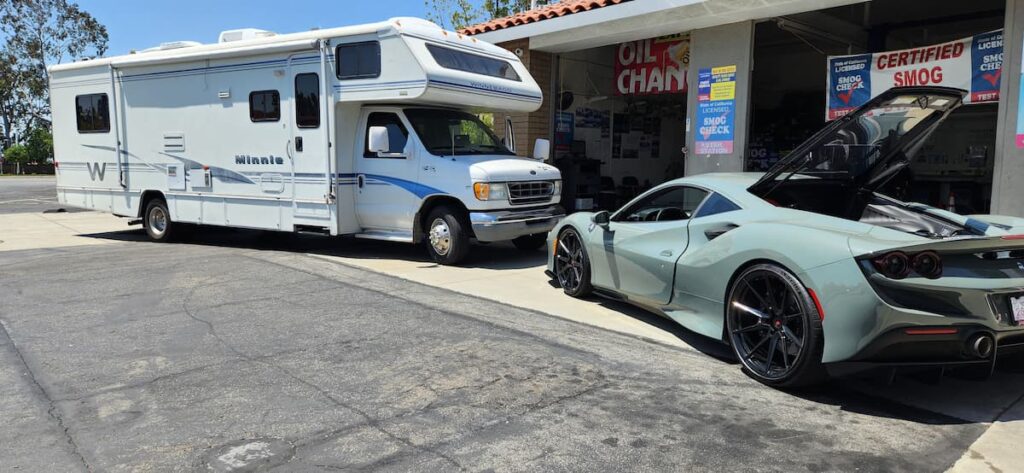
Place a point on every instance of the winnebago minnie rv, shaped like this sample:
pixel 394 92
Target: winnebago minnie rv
pixel 365 130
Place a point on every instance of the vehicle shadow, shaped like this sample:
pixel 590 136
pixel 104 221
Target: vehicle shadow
pixel 484 256
pixel 918 397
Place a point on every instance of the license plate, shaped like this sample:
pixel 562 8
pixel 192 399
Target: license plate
pixel 1017 304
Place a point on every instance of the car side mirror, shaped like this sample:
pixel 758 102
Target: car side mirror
pixel 541 149
pixel 379 142
pixel 601 218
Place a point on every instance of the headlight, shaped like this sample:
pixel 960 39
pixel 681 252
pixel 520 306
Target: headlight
pixel 490 191
pixel 556 188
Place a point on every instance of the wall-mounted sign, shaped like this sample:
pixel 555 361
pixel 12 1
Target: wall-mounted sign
pixel 652 66
pixel 973 64
pixel 716 110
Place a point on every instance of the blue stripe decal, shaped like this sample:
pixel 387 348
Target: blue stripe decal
pixel 416 188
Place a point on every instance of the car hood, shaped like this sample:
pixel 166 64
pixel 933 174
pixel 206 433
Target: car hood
pixel 868 145
pixel 501 169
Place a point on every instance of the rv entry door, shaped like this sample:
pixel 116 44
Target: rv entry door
pixel 308 145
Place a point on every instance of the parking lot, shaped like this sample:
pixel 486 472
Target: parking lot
pixel 249 350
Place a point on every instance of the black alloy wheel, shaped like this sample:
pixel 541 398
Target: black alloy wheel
pixel 774 327
pixel 572 267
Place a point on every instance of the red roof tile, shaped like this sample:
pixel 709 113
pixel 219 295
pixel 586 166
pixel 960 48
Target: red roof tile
pixel 554 10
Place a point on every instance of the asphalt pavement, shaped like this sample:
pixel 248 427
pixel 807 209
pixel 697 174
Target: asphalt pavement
pixel 27 194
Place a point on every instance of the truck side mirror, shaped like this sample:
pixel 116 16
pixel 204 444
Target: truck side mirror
pixel 601 218
pixel 378 140
pixel 541 149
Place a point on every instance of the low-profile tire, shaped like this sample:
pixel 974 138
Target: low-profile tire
pixel 447 236
pixel 531 242
pixel 572 264
pixel 156 219
pixel 774 327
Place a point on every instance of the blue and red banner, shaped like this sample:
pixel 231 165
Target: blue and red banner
pixel 974 64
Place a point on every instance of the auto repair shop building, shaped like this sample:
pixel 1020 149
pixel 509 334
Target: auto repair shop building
pixel 638 92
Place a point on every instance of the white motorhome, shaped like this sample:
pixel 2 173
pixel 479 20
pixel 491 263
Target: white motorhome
pixel 369 130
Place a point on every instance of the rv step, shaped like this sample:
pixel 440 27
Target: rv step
pixel 312 229
pixel 134 221
pixel 404 237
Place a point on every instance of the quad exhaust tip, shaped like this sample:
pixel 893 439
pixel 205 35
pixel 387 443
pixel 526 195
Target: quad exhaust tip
pixel 981 346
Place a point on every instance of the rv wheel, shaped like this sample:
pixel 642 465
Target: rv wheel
pixel 157 221
pixel 447 238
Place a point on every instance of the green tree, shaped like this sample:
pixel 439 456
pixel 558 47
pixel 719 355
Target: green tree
pixel 39 145
pixel 458 14
pixel 16 154
pixel 33 34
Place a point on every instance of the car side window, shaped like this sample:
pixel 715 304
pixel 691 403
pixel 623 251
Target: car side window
pixel 716 204
pixel 668 204
pixel 397 134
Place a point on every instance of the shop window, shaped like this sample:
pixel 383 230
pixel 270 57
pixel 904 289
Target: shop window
pixel 397 134
pixel 462 61
pixel 264 106
pixel 93 112
pixel 358 60
pixel 307 100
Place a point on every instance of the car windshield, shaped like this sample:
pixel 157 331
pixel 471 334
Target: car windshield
pixel 454 133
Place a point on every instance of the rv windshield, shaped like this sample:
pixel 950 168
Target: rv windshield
pixel 454 133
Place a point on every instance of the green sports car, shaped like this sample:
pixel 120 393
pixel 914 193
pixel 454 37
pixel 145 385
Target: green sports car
pixel 809 266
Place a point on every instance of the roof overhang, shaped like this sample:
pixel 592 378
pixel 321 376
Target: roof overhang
pixel 631 21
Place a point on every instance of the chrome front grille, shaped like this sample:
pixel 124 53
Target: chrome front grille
pixel 530 192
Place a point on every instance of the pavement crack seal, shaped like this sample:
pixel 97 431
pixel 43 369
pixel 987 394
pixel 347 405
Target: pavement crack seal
pixel 52 410
pixel 370 420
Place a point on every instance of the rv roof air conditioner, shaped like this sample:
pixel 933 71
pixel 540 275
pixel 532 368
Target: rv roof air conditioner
pixel 243 34
pixel 173 45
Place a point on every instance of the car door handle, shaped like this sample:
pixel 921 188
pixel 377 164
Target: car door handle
pixel 715 232
pixel 666 253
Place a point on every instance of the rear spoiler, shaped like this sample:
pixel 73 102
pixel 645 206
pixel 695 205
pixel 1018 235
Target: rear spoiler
pixel 979 244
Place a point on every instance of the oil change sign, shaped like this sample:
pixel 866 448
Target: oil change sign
pixel 652 66
pixel 716 110
pixel 973 64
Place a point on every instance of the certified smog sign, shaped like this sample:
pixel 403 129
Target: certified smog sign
pixel 716 110
pixel 974 64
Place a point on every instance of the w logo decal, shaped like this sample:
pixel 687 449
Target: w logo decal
pixel 96 169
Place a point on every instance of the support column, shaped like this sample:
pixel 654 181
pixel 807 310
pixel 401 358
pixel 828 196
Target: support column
pixel 725 45
pixel 1008 176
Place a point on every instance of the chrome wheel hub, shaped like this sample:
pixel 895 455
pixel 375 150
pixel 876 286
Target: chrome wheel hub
pixel 440 236
pixel 158 220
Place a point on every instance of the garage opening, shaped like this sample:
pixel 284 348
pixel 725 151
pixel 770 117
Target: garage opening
pixel 620 120
pixel 791 86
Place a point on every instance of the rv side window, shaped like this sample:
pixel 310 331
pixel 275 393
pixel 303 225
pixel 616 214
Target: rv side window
pixel 307 100
pixel 93 113
pixel 397 134
pixel 462 61
pixel 264 106
pixel 358 60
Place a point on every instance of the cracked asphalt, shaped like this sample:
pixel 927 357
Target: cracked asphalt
pixel 137 356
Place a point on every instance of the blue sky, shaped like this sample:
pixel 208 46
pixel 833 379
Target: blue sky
pixel 138 24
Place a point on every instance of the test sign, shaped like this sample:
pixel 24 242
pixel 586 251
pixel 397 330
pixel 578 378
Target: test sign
pixel 652 66
pixel 973 64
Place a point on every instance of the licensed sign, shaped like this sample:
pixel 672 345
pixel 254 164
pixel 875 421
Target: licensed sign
pixel 652 66
pixel 716 110
pixel 974 64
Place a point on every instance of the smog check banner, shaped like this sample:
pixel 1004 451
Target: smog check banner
pixel 716 110
pixel 974 64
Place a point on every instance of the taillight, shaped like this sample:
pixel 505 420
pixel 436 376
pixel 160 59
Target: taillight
pixel 894 265
pixel 927 264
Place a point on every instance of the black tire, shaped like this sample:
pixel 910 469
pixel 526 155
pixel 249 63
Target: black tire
pixel 572 264
pixel 774 327
pixel 446 235
pixel 156 219
pixel 531 242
